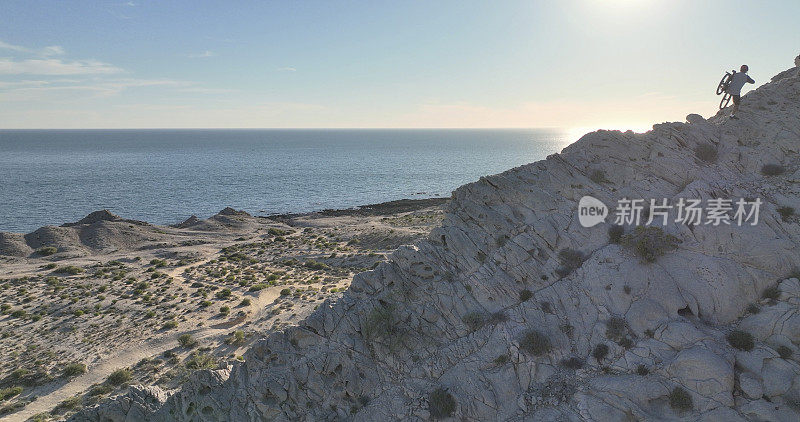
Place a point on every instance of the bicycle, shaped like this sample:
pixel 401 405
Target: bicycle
pixel 722 89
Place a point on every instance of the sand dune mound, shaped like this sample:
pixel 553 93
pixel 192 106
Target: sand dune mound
pixel 13 244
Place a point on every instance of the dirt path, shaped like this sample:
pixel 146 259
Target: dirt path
pixel 131 355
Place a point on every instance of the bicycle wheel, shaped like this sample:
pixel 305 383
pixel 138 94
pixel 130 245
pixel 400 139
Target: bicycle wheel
pixel 725 100
pixel 723 84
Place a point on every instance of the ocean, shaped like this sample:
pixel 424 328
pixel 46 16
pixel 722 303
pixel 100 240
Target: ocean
pixel 49 177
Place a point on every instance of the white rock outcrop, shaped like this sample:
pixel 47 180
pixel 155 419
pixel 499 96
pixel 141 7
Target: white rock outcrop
pixel 492 312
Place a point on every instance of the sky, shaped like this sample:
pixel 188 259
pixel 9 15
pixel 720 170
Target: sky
pixel 612 64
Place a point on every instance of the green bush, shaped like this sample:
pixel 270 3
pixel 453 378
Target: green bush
pixel 223 294
pixel 169 325
pixel 205 303
pixel 642 370
pixel 236 338
pixel 535 342
pixel 286 292
pixel 186 340
pixel 502 359
pixel 201 360
pixel 382 323
pixel 119 377
pixel 741 340
pixel 19 313
pixel 441 404
pixel 257 287
pixel 46 250
pixel 71 403
pixel 650 242
pixel 69 269
pixel 225 310
pixel 615 328
pixel 9 392
pixel 570 260
pixel 73 369
pixel 525 295
pixel 245 302
pixel 680 399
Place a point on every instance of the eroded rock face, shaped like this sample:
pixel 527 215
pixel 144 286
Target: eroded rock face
pixel 607 338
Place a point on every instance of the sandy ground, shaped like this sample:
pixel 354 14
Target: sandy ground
pixel 91 307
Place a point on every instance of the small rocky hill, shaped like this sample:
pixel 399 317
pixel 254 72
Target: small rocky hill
pixel 511 310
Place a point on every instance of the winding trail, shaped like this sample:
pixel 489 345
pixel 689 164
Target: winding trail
pixel 131 355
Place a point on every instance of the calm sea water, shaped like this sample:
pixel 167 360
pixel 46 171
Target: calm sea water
pixel 164 176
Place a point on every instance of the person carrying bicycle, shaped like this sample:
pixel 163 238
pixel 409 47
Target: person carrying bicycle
pixel 735 88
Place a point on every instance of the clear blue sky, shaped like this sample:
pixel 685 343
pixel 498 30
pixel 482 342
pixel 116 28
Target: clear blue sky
pixel 302 63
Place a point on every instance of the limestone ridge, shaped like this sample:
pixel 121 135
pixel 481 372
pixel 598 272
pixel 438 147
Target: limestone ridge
pixel 493 317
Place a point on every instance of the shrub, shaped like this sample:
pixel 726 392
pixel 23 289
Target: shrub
pixel 535 343
pixel 205 303
pixel 474 320
pixel 9 392
pixel 772 169
pixel 650 242
pixel 570 260
pixel 598 176
pixel 615 233
pixel 784 352
pixel 785 212
pixel 236 338
pixel 119 377
pixel 187 341
pixel 706 152
pixel 70 269
pixel 502 359
pixel 19 313
pixel 600 351
pixel 99 390
pixel 71 403
pixel 47 250
pixel 772 292
pixel 286 292
pixel 753 308
pixel 382 323
pixel 642 370
pixel 257 287
pixel 73 369
pixel 615 328
pixel 572 363
pixel 741 340
pixel 169 325
pixel 200 360
pixel 680 399
pixel 525 295
pixel 441 404
pixel 223 294
pixel 225 310
pixel 245 302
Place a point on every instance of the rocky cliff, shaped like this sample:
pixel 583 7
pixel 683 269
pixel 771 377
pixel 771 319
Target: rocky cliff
pixel 511 310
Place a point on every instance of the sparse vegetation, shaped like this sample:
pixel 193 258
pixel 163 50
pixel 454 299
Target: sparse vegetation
pixel 642 370
pixel 598 176
pixel 236 338
pixel 535 343
pixel 784 352
pixel 525 295
pixel 741 340
pixel 786 212
pixel 441 404
pixel 650 242
pixel 201 360
pixel 9 392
